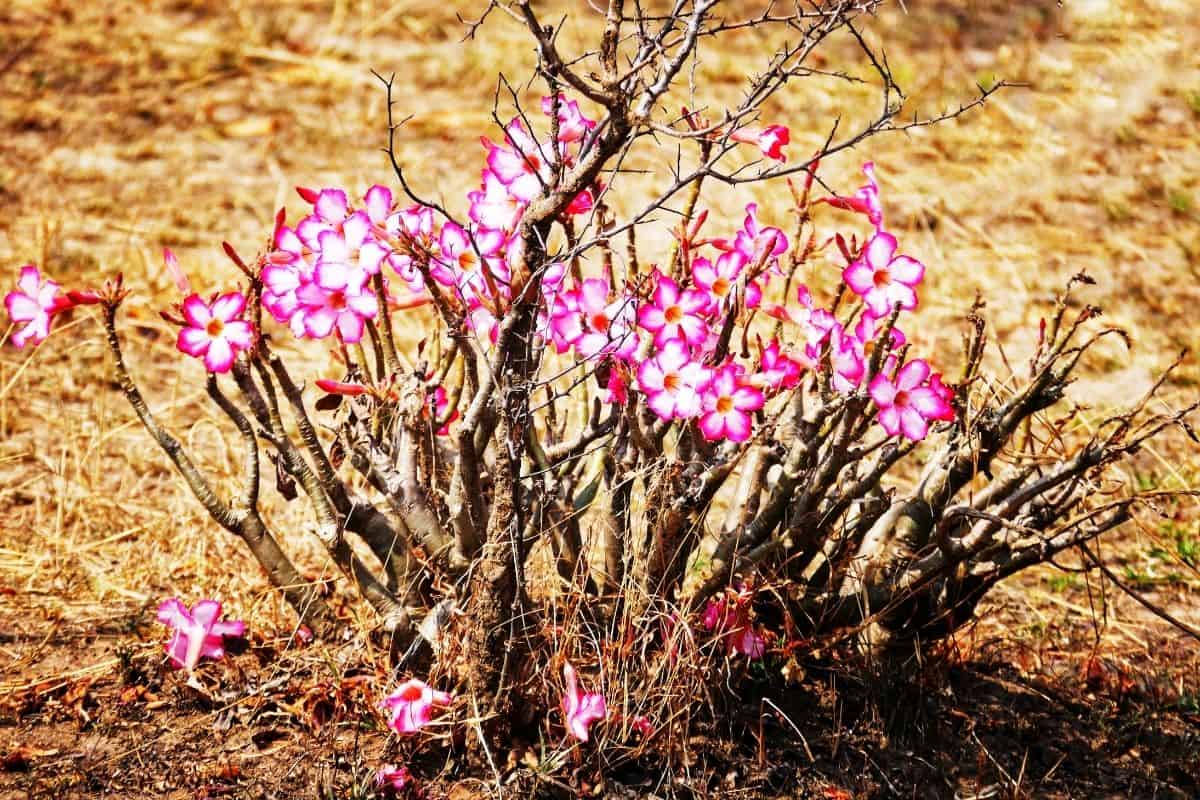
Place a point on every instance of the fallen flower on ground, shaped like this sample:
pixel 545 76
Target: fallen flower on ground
pixel 412 705
pixel 198 633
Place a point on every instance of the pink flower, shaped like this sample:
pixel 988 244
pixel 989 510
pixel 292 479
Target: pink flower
pixel 572 124
pixel 728 403
pixel 288 267
pixel 214 331
pixel 348 257
pixel 464 256
pixel 392 779
pixel 493 207
pixel 814 323
pixel 440 402
pixel 846 354
pixel 719 279
pixel 946 393
pixel 864 201
pixel 869 327
pixel 729 618
pixel 322 310
pixel 198 633
pixel 522 164
pixel 378 204
pixel 882 278
pixel 412 704
pixel 580 708
pixel 777 369
pixel 770 140
pixel 753 240
pixel 905 405
pixel 672 382
pixel 415 222
pixel 582 203
pixel 33 304
pixel 585 319
pixel 617 384
pixel 332 206
pixel 749 643
pixel 176 272
pixel 675 314
pixel 482 320
pixel 641 723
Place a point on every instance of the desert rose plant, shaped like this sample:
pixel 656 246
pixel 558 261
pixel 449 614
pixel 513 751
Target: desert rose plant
pixel 608 464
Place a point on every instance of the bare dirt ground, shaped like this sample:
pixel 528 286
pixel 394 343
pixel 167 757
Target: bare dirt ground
pixel 129 126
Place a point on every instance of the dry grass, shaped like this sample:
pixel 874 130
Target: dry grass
pixel 128 126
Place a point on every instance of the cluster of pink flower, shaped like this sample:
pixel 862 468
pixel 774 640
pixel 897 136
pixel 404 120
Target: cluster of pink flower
pixel 666 336
pixel 677 365
pixel 319 278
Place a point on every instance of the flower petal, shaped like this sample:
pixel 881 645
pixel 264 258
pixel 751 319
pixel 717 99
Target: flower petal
pixel 196 311
pixel 880 249
pixel 912 375
pixel 229 306
pixel 912 424
pixel 219 357
pixel 907 270
pixel 193 341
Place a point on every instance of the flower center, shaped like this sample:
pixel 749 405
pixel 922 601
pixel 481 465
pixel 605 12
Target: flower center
pixel 720 287
pixel 724 405
pixel 466 260
pixel 901 399
pixel 214 327
pixel 600 322
pixel 672 382
pixel 882 278
pixel 673 315
pixel 337 301
pixel 411 694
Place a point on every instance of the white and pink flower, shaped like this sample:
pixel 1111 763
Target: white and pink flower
pixel 754 241
pixel 729 402
pixel 522 163
pixel 673 382
pixel 882 278
pixel 349 256
pixel 412 705
pixel 198 633
pixel 675 313
pixel 777 369
pixel 770 140
pixel 580 709
pixel 214 331
pixel 906 404
pixel 719 279
pixel 585 318
pixel 33 304
pixel 573 126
